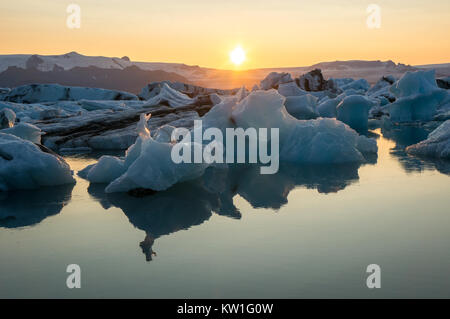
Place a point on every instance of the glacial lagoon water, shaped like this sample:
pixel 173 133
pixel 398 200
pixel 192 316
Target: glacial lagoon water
pixel 309 231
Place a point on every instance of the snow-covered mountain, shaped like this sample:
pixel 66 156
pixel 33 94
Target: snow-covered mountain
pixel 73 59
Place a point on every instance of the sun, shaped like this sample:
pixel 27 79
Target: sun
pixel 237 56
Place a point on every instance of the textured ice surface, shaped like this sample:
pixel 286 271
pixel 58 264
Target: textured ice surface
pixel 302 107
pixel 436 145
pixel 24 165
pixel 290 89
pixel 418 97
pixel 147 165
pixel 301 141
pixel 4 92
pixel 164 134
pixel 327 108
pixel 359 85
pixel 25 131
pixel 37 93
pixel 274 79
pixel 241 94
pixel 106 170
pixel 154 88
pixel 171 97
pixel 354 111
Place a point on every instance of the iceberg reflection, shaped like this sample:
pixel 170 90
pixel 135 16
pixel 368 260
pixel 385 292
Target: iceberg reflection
pixel 29 207
pixel 192 203
pixel 406 135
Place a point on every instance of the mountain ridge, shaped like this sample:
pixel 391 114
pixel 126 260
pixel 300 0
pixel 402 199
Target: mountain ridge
pixel 124 74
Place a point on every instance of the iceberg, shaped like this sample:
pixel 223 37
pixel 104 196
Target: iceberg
pixel 215 98
pixel 24 165
pixel 328 108
pixel 25 131
pixel 302 107
pixel 302 141
pixel 290 89
pixel 358 85
pixel 38 93
pixel 314 81
pixel 274 79
pixel 148 163
pixel 164 134
pixel 241 94
pixel 443 83
pixel 7 118
pixel 417 97
pixel 437 145
pixel 3 93
pixel 354 111
pixel 44 111
pixel 154 88
pixel 382 86
pixel 170 97
pixel 107 169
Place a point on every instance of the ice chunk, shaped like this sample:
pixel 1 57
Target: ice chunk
pixel 7 118
pixel 274 79
pixel 215 98
pixel 436 145
pixel 106 170
pixel 220 116
pixel 25 131
pixel 381 85
pixel 328 108
pixel 154 169
pixel 354 111
pixel 442 83
pixel 49 114
pixel 241 94
pixel 313 81
pixel 290 89
pixel 312 141
pixel 36 93
pixel 340 82
pixel 302 107
pixel 147 165
pixel 154 88
pixel 171 97
pixel 3 93
pixel 24 165
pixel 418 97
pixel 359 85
pixel 164 134
pixel 366 145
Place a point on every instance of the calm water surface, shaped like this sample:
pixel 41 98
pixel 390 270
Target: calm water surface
pixel 305 232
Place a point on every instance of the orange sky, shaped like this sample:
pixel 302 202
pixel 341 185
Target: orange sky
pixel 203 32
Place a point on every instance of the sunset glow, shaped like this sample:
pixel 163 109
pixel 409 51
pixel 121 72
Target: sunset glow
pixel 237 56
pixel 201 32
